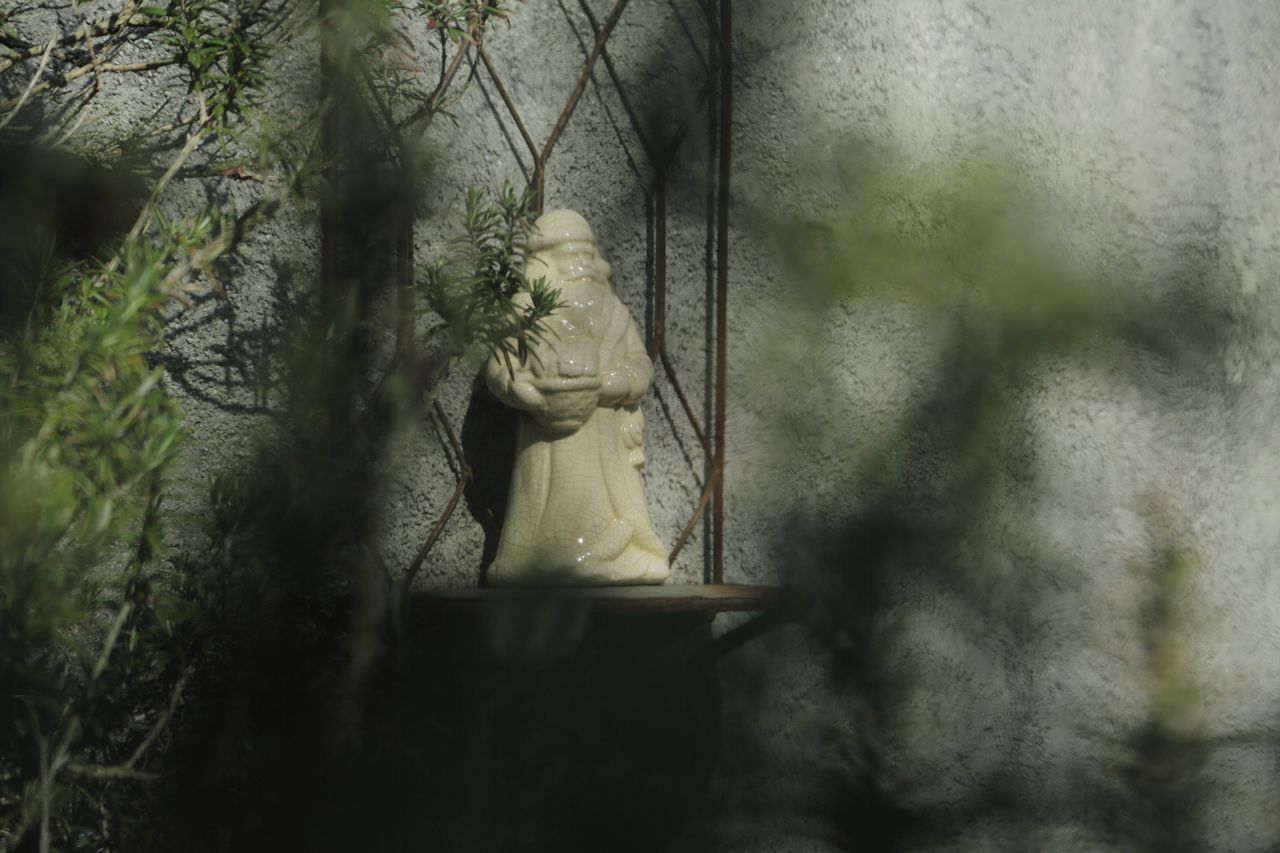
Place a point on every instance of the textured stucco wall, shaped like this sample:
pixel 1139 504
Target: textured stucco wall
pixel 1148 128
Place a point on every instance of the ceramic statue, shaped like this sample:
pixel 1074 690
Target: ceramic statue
pixel 576 512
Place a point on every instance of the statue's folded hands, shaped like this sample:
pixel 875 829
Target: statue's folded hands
pixel 567 402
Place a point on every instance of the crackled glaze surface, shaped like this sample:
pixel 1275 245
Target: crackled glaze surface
pixel 577 512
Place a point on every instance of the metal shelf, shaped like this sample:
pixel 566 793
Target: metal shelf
pixel 693 598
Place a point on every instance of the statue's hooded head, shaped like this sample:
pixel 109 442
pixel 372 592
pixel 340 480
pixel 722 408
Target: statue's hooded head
pixel 561 247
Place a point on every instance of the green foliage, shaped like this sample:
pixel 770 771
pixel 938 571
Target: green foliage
pixel 1163 760
pixel 459 19
pixel 1174 697
pixel 479 288
pixel 965 241
pixel 86 425
pixel 95 639
pixel 964 256
pixel 221 47
pixel 116 656
pixel 87 434
pixel 934 485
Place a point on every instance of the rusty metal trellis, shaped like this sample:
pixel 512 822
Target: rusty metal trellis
pixel 713 447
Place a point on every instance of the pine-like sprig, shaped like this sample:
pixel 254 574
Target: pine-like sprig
pixel 479 288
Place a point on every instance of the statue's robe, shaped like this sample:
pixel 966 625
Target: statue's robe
pixel 577 512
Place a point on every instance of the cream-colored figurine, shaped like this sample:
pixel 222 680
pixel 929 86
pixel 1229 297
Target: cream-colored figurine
pixel 577 512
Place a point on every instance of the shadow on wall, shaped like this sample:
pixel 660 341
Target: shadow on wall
pixel 489 443
pixel 936 593
pixel 232 368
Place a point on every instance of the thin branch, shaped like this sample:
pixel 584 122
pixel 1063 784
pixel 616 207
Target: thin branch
pixel 103 814
pixel 636 124
pixel 683 398
pixel 44 61
pixel 510 105
pixel 125 17
pixel 42 758
pixel 96 771
pixel 148 209
pixel 388 115
pixel 707 491
pixel 465 477
pixel 610 22
pixel 126 770
pixel 81 114
pixel 14 43
pixel 454 444
pixel 723 196
pixel 224 243
pixel 433 100
pixel 98 66
pixel 113 635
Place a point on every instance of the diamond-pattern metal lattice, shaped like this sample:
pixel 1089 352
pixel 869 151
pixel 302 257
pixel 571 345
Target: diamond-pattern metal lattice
pixel 660 162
